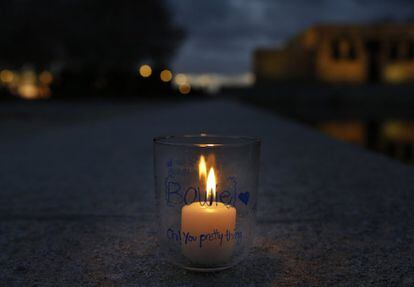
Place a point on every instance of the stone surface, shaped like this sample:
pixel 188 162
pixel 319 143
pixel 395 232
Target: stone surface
pixel 77 201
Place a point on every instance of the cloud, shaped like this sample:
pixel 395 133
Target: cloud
pixel 222 34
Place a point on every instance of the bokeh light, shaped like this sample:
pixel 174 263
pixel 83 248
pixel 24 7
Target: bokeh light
pixel 184 89
pixel 6 76
pixel 28 91
pixel 145 71
pixel 166 75
pixel 181 79
pixel 46 78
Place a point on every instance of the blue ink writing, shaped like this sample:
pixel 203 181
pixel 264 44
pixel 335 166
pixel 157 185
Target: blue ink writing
pixel 201 239
pixel 215 235
pixel 188 237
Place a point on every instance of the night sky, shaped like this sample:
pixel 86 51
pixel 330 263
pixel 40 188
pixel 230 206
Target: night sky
pixel 221 34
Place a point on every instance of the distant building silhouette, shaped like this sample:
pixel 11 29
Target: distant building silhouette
pixel 341 54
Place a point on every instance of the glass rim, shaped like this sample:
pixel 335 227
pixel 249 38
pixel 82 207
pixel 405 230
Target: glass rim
pixel 195 140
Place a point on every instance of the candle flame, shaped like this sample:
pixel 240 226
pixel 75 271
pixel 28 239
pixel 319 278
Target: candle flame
pixel 211 184
pixel 202 168
pixel 210 180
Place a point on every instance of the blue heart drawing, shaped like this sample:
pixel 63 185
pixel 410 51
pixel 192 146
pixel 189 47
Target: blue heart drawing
pixel 244 197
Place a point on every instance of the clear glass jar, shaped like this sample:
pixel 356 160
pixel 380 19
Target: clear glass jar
pixel 206 192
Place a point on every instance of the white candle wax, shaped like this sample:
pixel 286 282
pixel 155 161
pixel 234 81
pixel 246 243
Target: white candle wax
pixel 207 232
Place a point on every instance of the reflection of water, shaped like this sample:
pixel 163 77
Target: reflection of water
pixel 27 84
pixel 393 138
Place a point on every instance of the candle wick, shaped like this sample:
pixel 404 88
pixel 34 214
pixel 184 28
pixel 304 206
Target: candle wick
pixel 211 198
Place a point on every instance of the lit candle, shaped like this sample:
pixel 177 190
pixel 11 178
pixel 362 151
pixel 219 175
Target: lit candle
pixel 208 227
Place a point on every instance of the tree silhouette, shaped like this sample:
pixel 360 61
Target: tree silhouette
pixel 86 36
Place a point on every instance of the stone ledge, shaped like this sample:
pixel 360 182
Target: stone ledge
pixel 76 205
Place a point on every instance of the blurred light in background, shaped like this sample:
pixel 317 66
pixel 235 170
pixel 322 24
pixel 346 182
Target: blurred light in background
pixel 6 76
pixel 398 131
pixel 145 71
pixel 28 91
pixel 46 78
pixel 351 131
pixel 214 82
pixel 180 79
pixel 27 87
pixel 27 84
pixel 184 89
pixel 166 75
pixel 395 74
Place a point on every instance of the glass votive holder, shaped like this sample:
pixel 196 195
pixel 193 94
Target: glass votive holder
pixel 206 192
